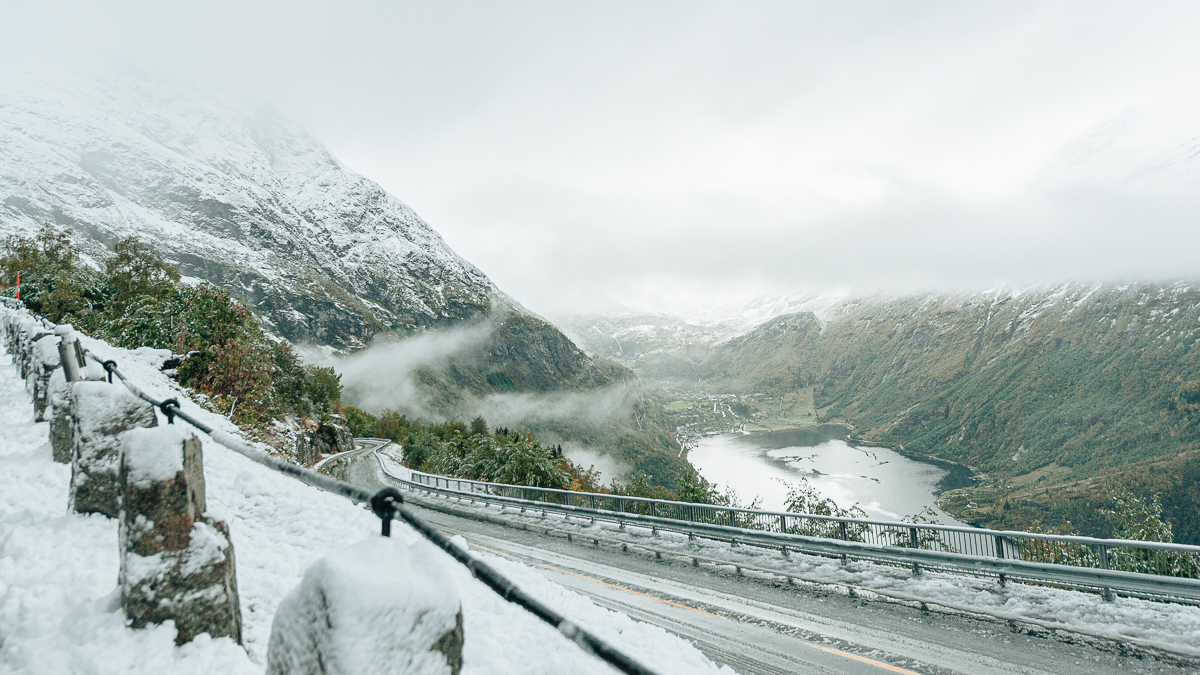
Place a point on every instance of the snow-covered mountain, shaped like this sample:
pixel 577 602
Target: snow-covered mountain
pixel 235 194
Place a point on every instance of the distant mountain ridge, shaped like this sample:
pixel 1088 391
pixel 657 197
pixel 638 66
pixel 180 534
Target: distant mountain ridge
pixel 1037 387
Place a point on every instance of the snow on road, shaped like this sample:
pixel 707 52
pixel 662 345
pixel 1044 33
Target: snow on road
pixel 58 571
pixel 1169 626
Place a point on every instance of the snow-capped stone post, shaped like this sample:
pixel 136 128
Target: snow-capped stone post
pixel 176 562
pixel 24 332
pixel 69 352
pixel 384 605
pixel 43 360
pixel 62 409
pixel 101 413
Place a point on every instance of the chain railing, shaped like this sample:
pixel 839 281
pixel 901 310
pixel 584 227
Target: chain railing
pixel 1146 558
pixel 387 504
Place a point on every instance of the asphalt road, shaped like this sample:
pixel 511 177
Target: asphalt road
pixel 758 625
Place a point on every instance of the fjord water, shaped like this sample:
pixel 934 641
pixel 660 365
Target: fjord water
pixel 887 485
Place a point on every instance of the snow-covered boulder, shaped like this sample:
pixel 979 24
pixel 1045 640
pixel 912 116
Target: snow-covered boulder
pixel 384 605
pixel 102 412
pixel 176 563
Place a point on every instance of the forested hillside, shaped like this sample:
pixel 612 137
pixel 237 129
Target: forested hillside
pixel 1038 390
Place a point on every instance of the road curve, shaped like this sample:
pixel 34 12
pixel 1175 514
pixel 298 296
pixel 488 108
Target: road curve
pixel 362 446
pixel 760 626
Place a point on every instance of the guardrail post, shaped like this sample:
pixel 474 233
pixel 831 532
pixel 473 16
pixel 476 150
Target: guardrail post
pixel 1000 554
pixel 592 501
pixel 653 512
pixel 42 359
pixel 732 519
pixel 913 542
pixel 782 524
pixel 845 537
pixel 1109 596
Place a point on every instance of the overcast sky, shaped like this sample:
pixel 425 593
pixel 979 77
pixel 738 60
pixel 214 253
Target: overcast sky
pixel 657 154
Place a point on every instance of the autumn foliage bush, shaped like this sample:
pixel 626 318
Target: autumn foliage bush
pixel 138 300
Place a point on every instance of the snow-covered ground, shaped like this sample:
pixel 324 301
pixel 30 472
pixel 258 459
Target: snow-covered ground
pixel 1168 626
pixel 58 571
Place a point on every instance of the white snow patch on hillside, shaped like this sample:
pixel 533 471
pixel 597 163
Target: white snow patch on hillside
pixel 59 612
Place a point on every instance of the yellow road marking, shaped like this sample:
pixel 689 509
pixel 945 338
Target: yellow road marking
pixel 489 550
pixel 863 659
pixel 619 588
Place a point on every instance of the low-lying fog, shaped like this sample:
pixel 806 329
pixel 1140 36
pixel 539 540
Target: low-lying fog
pixel 384 376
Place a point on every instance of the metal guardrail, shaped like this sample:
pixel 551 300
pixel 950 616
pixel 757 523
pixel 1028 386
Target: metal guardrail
pixel 1135 567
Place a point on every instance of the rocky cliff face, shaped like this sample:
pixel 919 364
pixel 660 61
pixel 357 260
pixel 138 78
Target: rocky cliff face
pixel 233 194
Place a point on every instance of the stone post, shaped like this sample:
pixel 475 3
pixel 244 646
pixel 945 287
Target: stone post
pixel 102 412
pixel 43 361
pixel 384 605
pixel 176 563
pixel 62 410
pixel 68 352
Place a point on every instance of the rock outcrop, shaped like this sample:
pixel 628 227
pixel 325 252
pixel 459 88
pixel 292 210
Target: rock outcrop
pixel 331 436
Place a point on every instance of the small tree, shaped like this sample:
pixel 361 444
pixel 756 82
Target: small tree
pixel 135 271
pixel 479 426
pixel 53 282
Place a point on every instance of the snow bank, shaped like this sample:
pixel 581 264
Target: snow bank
pixel 58 572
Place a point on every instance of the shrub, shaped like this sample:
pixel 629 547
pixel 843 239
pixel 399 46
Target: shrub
pixel 138 300
pixel 54 283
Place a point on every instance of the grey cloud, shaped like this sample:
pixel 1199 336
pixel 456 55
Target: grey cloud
pixel 585 155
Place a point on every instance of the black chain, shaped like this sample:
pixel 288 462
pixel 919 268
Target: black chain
pixel 387 504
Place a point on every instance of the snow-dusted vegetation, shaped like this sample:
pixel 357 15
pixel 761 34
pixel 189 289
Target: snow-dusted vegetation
pixel 59 608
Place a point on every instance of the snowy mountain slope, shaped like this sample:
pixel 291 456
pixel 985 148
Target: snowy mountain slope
pixel 58 570
pixel 234 194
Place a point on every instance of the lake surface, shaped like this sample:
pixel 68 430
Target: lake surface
pixel 885 484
